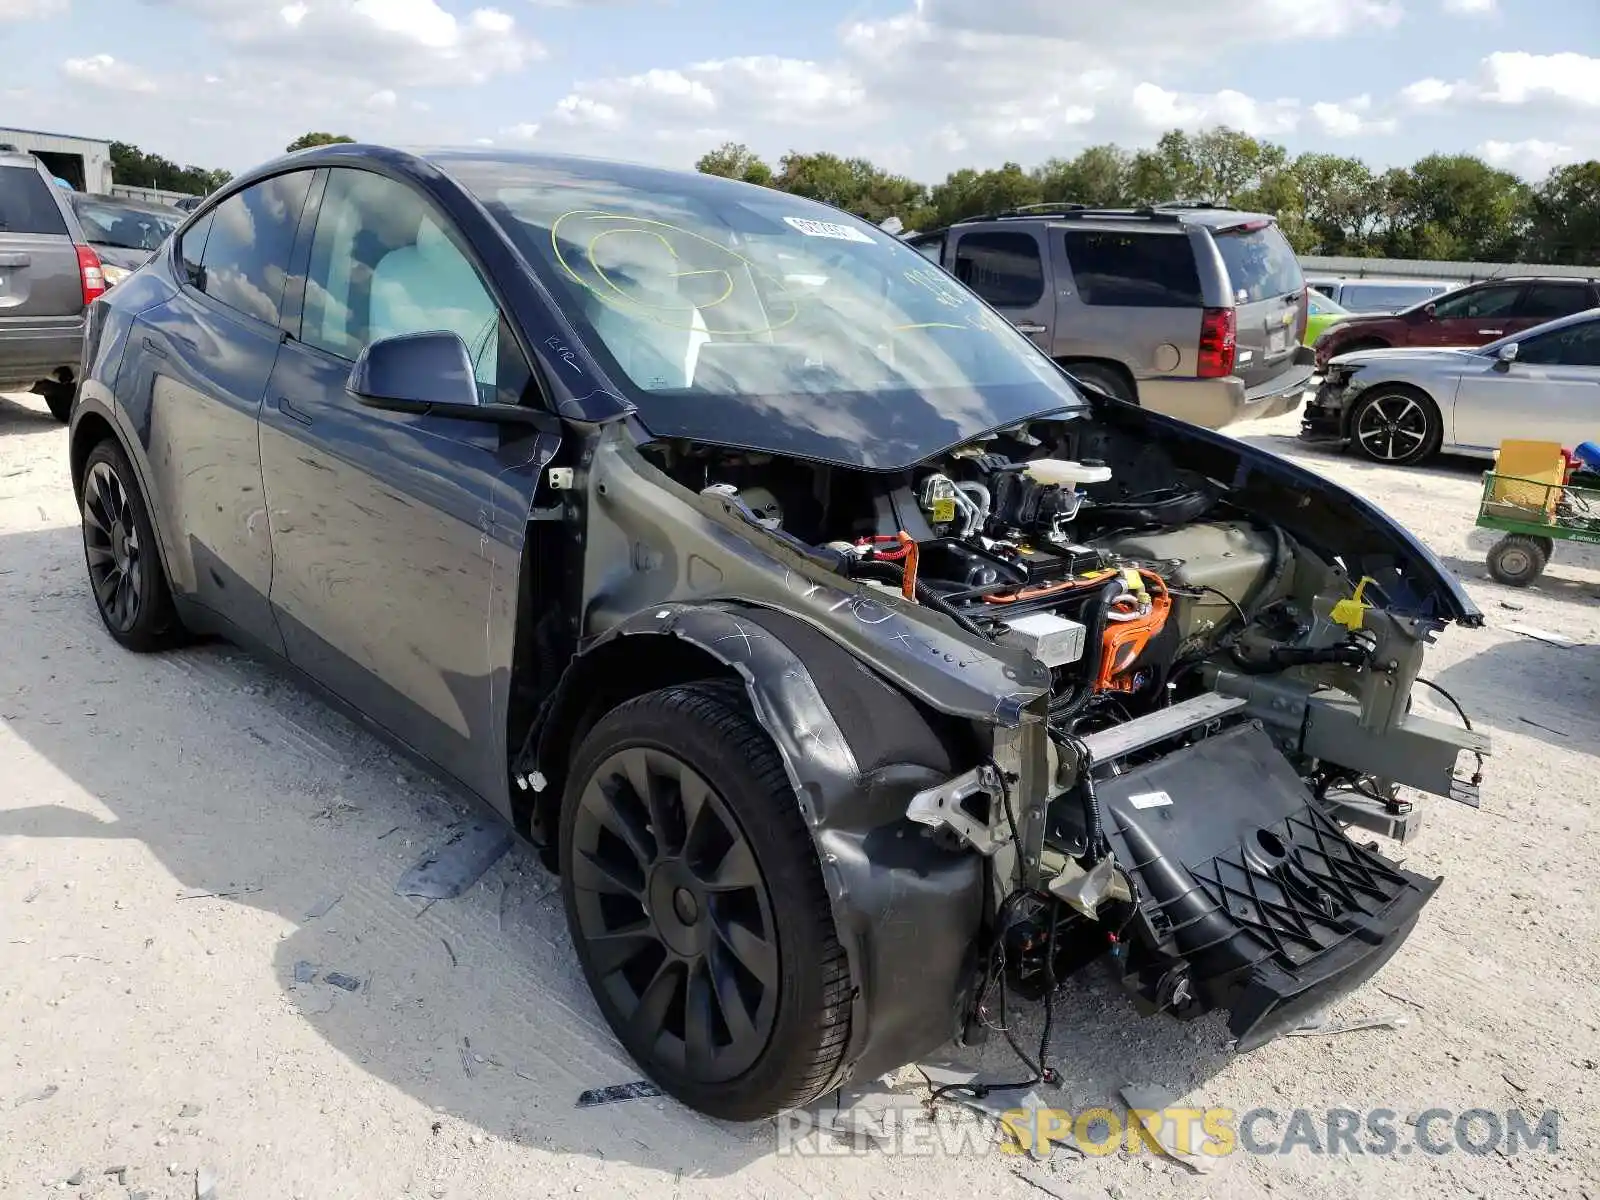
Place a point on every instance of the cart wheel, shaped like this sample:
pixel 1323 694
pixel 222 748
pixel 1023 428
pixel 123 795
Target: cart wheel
pixel 1518 560
pixel 1548 545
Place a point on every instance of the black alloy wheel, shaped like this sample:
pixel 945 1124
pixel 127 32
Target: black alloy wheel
pixel 111 544
pixel 696 904
pixel 119 548
pixel 675 914
pixel 1396 427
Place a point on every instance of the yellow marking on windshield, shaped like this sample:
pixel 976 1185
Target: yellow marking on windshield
pixel 628 297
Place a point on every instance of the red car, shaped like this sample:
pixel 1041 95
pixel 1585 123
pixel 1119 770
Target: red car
pixel 1469 316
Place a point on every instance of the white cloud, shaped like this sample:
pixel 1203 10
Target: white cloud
pixel 1515 78
pixel 105 72
pixel 525 132
pixel 1532 159
pixel 27 10
pixel 1158 109
pixel 1469 8
pixel 1350 119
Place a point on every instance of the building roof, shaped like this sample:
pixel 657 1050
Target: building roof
pixel 70 137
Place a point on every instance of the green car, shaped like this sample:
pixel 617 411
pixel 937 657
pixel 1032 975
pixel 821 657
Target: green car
pixel 1321 313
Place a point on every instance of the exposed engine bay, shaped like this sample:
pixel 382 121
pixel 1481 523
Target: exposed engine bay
pixel 1224 702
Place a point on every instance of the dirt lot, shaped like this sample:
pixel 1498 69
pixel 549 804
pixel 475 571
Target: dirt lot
pixel 149 1023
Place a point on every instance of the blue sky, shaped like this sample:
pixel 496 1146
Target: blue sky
pixel 921 86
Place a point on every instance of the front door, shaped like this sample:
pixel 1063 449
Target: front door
pixel 1471 317
pixel 398 537
pixel 1549 393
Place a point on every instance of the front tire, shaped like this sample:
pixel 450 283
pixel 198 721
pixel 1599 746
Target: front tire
pixel 119 545
pixel 1396 426
pixel 697 908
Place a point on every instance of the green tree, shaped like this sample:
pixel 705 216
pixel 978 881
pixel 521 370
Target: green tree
pixel 735 160
pixel 1343 202
pixel 969 193
pixel 131 165
pixel 853 184
pixel 1564 211
pixel 1456 206
pixel 1098 177
pixel 307 140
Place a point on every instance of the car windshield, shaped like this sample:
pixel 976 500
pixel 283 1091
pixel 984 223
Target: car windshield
pixel 750 317
pixel 1320 306
pixel 112 224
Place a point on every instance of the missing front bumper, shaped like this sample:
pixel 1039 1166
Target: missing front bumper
pixel 1249 897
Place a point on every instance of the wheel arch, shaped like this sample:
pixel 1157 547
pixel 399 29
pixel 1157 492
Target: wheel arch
pixel 1119 369
pixel 907 908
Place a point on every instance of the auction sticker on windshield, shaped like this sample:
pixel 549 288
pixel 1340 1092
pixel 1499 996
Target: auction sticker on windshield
pixel 827 229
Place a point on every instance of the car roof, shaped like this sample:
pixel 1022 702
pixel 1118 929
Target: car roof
pixel 149 206
pixel 19 158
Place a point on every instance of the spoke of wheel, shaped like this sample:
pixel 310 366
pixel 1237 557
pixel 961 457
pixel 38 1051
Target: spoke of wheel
pixel 94 517
pixel 621 821
pixel 105 588
pixel 698 814
pixel 593 874
pixel 757 954
pixel 99 556
pixel 647 1019
pixel 610 952
pixel 737 869
pixel 730 1001
pixel 647 788
pixel 124 600
pixel 699 1046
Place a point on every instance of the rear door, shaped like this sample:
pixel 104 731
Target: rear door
pixel 39 273
pixel 1267 292
pixel 1138 299
pixel 1007 268
pixel 1543 302
pixel 1550 393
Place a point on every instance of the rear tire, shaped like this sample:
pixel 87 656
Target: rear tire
pixel 1517 560
pixel 697 908
pixel 126 577
pixel 1396 426
pixel 1104 379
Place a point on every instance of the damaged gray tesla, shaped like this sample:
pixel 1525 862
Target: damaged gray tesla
pixel 850 663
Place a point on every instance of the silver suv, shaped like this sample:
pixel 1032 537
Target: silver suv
pixel 48 277
pixel 1189 310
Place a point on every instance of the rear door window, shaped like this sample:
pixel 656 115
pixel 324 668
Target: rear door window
pixel 1133 270
pixel 26 205
pixel 1002 267
pixel 1546 301
pixel 246 258
pixel 1261 263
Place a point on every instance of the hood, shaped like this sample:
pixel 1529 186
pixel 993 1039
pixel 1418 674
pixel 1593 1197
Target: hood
pixel 125 257
pixel 1389 355
pixel 1411 580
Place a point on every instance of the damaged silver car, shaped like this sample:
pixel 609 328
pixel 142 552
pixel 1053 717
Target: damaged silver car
pixel 849 662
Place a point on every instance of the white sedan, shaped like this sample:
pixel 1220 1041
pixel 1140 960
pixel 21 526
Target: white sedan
pixel 1403 406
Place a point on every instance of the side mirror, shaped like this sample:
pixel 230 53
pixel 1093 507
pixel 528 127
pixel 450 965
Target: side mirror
pixel 1506 355
pixel 429 374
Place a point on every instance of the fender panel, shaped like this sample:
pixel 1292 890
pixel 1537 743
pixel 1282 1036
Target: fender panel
pixel 908 911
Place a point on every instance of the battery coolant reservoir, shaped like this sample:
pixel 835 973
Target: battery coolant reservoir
pixel 1065 473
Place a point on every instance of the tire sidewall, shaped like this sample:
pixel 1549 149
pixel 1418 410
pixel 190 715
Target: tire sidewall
pixel 154 623
pixel 783 867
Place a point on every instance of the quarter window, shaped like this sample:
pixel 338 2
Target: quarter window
pixel 1003 268
pixel 383 265
pixel 251 236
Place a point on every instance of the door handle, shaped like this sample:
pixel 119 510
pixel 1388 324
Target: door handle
pixel 287 408
pixel 1491 332
pixel 154 347
pixel 1030 328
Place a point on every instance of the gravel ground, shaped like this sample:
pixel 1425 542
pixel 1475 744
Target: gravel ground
pixel 168 824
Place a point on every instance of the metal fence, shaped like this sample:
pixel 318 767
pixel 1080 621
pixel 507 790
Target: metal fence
pixel 1409 268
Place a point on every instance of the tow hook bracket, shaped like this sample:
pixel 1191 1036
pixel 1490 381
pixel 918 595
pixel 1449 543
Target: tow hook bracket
pixel 1086 890
pixel 943 807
